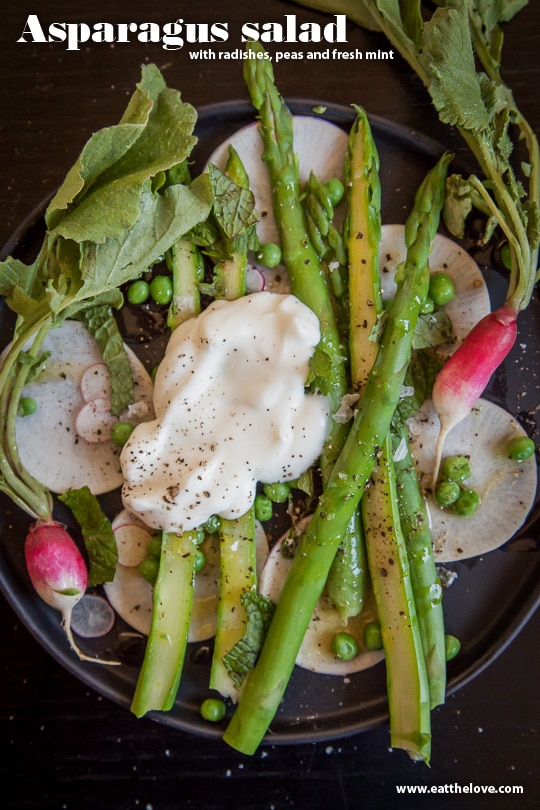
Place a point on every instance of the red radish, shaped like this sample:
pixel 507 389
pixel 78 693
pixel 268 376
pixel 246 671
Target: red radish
pixel 465 375
pixel 58 573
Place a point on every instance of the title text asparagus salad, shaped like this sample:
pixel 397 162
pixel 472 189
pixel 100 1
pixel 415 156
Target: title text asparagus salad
pixel 320 364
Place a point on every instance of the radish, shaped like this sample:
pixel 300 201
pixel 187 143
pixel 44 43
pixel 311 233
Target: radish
pixel 463 378
pixel 68 393
pixel 58 573
pixel 471 301
pixel 506 487
pixel 96 382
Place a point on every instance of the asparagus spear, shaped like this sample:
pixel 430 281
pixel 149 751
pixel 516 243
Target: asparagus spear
pixel 267 682
pixel 160 673
pixel 307 277
pixel 347 578
pixel 309 283
pixel 424 579
pixel 237 537
pixel 407 684
pixel 406 676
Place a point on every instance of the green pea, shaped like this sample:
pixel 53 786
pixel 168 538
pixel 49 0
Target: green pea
pixel 373 636
pixel 452 646
pixel 27 406
pixel 149 568
pixel 120 433
pixel 213 710
pixel 335 189
pixel 456 468
pixel 269 254
pixel 138 292
pixel 441 289
pixel 199 537
pixel 521 448
pixel 278 493
pixel 155 545
pixel 211 526
pixel 263 507
pixel 467 503
pixel 161 289
pixel 447 492
pixel 344 646
pixel 200 561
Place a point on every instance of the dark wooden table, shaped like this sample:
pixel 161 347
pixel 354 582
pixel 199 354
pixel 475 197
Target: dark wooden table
pixel 62 745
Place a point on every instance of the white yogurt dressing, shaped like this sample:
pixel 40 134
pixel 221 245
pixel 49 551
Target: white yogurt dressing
pixel 231 410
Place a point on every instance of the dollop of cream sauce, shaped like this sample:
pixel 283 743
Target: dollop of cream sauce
pixel 231 410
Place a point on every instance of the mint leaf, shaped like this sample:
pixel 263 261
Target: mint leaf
pixel 97 534
pixel 420 378
pixel 233 219
pixel 433 329
pixel 242 657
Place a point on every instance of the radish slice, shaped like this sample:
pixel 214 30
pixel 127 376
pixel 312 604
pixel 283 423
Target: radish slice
pixel 132 538
pixel 483 437
pixel 95 421
pixel 321 147
pixel 131 595
pixel 96 382
pixel 49 446
pixel 132 543
pixel 92 617
pixel 316 652
pixel 471 301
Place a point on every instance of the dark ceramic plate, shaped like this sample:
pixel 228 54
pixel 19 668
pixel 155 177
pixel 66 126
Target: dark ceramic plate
pixel 487 605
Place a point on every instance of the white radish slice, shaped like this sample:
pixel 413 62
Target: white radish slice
pixel 255 278
pixel 321 147
pixel 132 543
pixel 316 651
pixel 131 595
pixel 506 487
pixel 96 382
pixel 94 422
pixel 49 445
pixel 471 301
pixel 92 617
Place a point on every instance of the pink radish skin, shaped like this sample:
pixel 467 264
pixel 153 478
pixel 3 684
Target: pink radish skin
pixel 464 377
pixel 58 573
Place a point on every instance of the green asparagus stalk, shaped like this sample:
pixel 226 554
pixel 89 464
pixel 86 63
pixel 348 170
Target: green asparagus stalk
pixel 424 578
pixel 186 266
pixel 388 564
pixel 308 281
pixel 160 673
pixel 237 537
pixel 306 273
pixel 406 676
pixel 346 584
pixel 237 576
pixel 231 271
pixel 267 682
